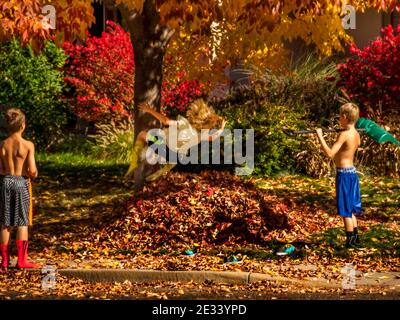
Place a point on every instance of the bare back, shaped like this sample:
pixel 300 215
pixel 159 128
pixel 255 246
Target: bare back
pixel 345 156
pixel 17 157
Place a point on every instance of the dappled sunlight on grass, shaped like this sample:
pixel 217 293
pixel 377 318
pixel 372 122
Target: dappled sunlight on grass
pixel 76 194
pixel 380 195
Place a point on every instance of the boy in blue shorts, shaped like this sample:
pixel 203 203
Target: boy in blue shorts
pixel 347 184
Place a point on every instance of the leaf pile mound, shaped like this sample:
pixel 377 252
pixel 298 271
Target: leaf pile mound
pixel 184 208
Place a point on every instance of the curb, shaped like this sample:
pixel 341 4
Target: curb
pixel 227 277
pixel 383 279
pixel 139 276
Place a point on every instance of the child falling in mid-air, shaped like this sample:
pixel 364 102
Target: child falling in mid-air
pixel 199 116
pixel 17 166
pixel 347 184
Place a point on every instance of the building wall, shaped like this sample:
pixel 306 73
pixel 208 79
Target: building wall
pixel 368 26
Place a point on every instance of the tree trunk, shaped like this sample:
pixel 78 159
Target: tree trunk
pixel 149 40
pixel 148 80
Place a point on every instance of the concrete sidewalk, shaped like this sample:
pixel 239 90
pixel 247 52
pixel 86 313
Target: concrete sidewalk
pixel 379 279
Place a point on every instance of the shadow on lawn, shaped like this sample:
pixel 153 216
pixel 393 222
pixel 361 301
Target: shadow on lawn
pixel 75 200
pixel 384 210
pixel 378 241
pixel 71 199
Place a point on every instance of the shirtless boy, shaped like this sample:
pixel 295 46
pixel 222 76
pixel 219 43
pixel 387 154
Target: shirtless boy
pixel 17 166
pixel 347 184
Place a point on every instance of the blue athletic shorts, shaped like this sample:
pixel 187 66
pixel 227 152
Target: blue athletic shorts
pixel 348 197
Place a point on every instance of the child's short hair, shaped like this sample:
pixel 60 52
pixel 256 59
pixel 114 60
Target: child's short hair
pixel 202 116
pixel 15 119
pixel 350 111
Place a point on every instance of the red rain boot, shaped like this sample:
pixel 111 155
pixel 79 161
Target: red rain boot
pixel 22 263
pixel 5 256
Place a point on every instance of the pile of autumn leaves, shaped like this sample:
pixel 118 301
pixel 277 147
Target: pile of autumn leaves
pixel 182 209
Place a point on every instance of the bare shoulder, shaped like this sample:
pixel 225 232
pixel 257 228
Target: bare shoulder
pixel 29 145
pixel 354 133
pixel 5 144
pixel 343 136
pixel 354 137
pixel 5 141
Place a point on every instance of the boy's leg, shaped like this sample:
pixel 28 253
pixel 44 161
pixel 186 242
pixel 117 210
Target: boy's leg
pixel 170 155
pixel 345 183
pixel 22 233
pixel 137 149
pixel 4 235
pixel 348 224
pixel 355 225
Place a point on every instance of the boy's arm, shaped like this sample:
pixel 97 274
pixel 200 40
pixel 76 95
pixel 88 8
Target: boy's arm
pixel 2 169
pixel 331 152
pixel 160 117
pixel 216 134
pixel 32 169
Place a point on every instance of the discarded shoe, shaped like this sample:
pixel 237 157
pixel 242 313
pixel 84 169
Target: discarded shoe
pixel 193 251
pixel 285 250
pixel 232 259
pixel 188 252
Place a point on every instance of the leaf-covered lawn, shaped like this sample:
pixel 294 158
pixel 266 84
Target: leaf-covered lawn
pixel 86 217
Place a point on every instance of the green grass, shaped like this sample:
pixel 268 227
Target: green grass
pixel 377 241
pixel 380 201
pixel 72 189
pixel 380 195
pixel 70 160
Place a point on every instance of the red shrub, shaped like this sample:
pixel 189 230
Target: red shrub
pixel 101 74
pixel 177 97
pixel 373 76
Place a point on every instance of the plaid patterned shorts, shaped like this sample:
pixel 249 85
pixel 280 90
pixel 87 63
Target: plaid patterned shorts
pixel 14 201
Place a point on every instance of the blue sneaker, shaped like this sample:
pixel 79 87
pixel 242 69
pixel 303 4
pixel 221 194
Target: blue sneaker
pixel 193 251
pixel 232 259
pixel 285 250
pixel 188 252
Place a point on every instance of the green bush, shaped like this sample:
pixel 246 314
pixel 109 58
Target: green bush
pixel 305 97
pixel 33 83
pixel 309 86
pixel 251 109
pixel 72 143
